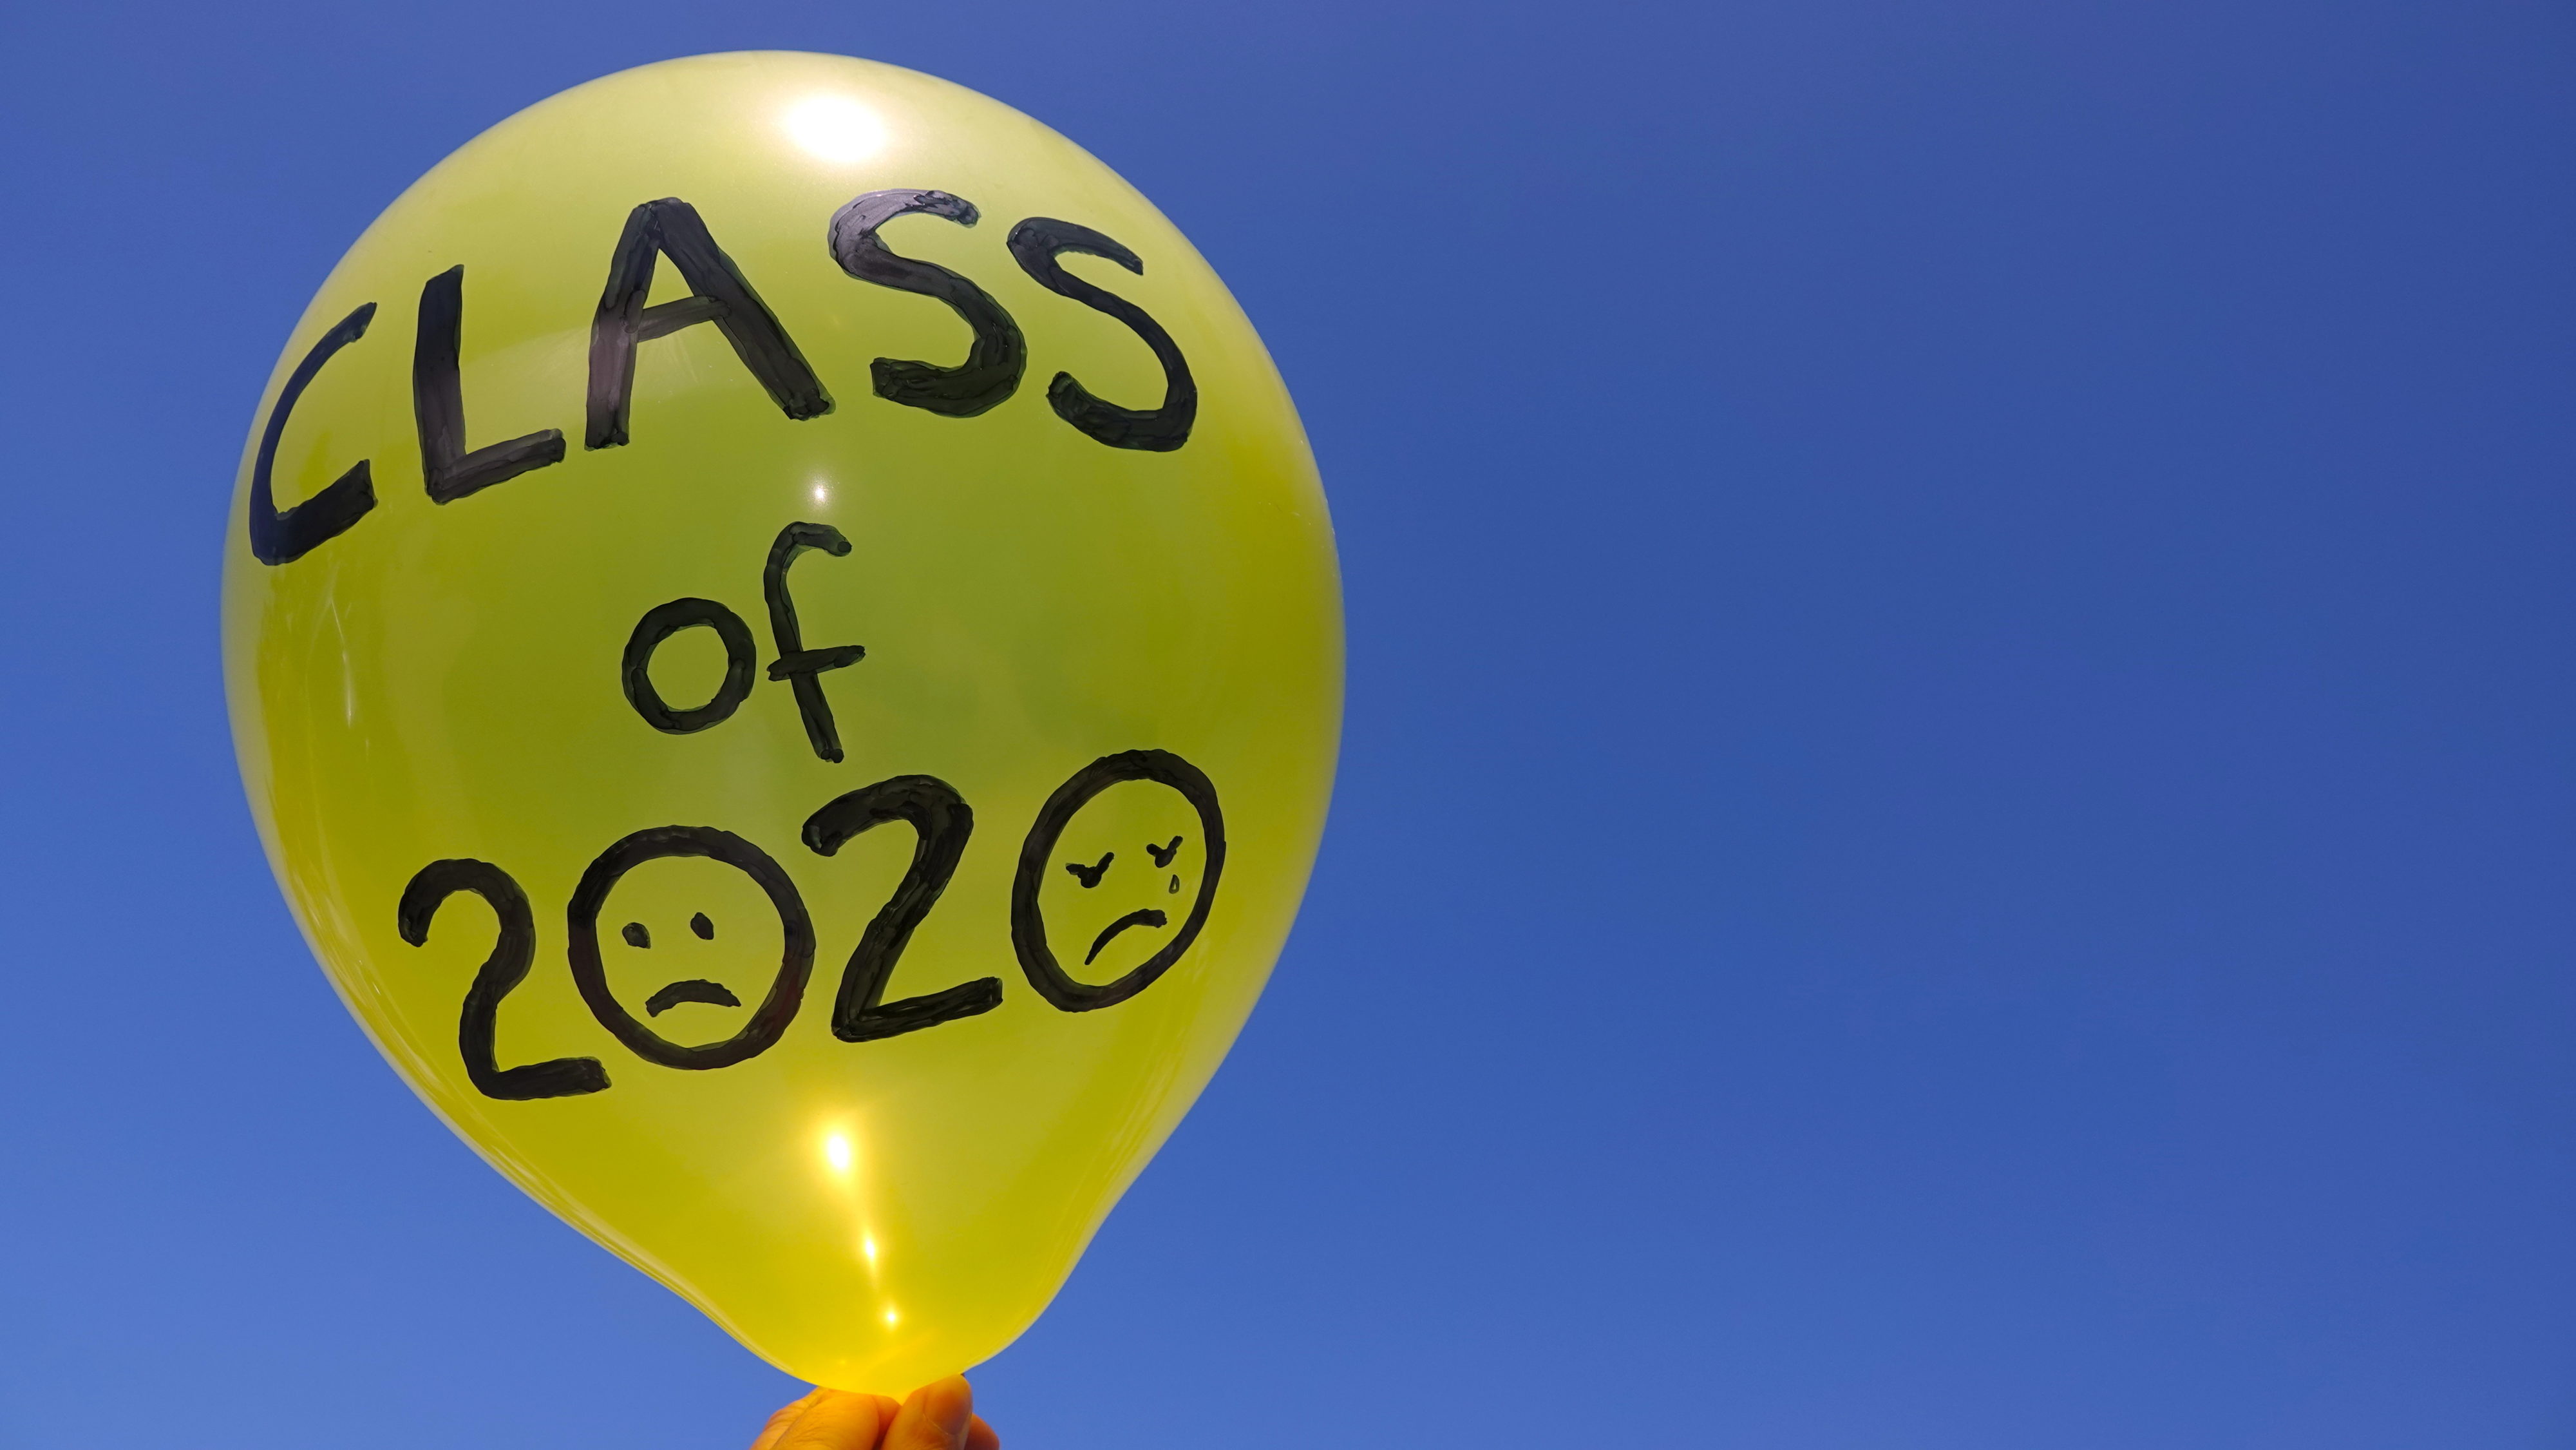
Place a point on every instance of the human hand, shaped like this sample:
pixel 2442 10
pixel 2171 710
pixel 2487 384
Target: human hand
pixel 938 1416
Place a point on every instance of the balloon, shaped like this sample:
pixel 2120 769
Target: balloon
pixel 784 641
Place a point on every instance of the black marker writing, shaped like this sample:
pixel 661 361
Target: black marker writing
pixel 721 295
pixel 284 536
pixel 438 405
pixel 1035 244
pixel 795 663
pixel 512 950
pixel 996 358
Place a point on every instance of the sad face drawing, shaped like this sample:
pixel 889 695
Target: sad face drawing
pixel 1116 877
pixel 672 957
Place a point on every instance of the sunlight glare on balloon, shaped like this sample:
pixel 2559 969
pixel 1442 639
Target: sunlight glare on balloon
pixel 835 128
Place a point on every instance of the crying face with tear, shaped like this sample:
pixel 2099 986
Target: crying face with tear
pixel 1117 877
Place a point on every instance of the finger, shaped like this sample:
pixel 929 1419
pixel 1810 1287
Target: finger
pixel 836 1420
pixel 785 1416
pixel 980 1436
pixel 934 1418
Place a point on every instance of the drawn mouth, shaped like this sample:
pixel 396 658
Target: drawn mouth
pixel 1147 917
pixel 696 989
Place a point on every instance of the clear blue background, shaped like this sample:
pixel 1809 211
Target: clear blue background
pixel 1956 824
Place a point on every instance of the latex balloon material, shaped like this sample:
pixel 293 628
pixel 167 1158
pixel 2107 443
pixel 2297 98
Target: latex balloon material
pixel 784 642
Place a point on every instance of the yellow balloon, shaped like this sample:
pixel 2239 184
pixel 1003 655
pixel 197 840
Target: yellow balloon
pixel 784 641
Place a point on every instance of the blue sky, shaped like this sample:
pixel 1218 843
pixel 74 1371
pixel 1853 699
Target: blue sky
pixel 1955 828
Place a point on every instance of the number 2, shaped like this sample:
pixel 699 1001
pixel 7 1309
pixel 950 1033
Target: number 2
pixel 507 967
pixel 941 820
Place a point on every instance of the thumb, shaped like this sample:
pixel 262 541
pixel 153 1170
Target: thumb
pixel 935 1418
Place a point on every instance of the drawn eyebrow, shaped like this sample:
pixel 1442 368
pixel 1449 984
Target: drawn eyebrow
pixel 636 935
pixel 696 989
pixel 1090 876
pixel 1163 854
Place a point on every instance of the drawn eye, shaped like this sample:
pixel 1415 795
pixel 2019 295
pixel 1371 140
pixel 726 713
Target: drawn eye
pixel 1090 876
pixel 705 929
pixel 636 935
pixel 1163 854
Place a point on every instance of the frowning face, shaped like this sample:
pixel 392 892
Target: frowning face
pixel 704 923
pixel 1117 877
pixel 1144 867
